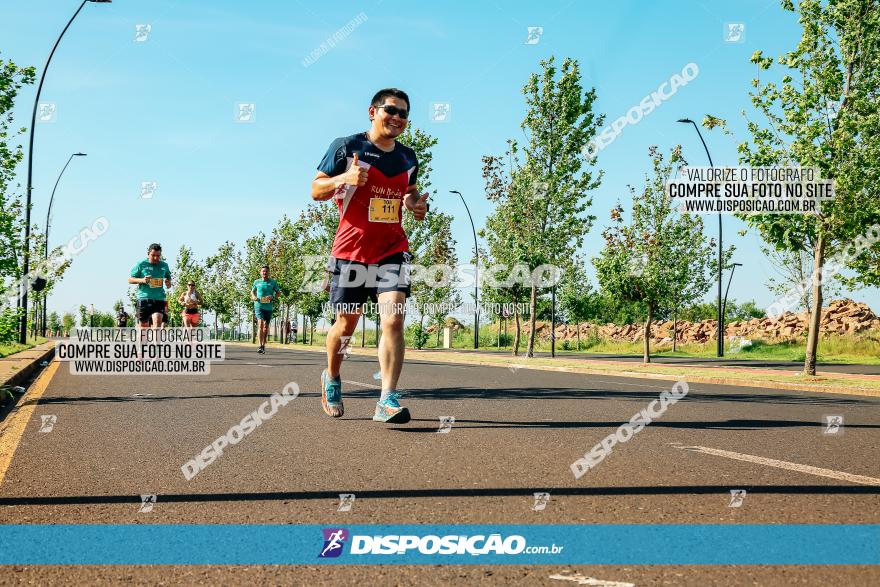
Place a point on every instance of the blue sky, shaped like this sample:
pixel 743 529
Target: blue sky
pixel 163 109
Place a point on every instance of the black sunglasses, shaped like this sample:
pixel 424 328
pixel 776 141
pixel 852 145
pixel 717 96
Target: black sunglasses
pixel 395 111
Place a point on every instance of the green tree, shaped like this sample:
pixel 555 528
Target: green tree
pixel 68 321
pixel 12 79
pixel 221 294
pixel 824 113
pixel 577 299
pixel 549 190
pixel 661 257
pixel 501 176
pixel 430 241
pixel 317 229
pixel 51 269
pixel 285 264
pixel 53 322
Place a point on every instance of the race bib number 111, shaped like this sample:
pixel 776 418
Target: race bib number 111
pixel 384 210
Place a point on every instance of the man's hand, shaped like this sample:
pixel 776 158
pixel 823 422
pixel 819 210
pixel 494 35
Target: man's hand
pixel 418 205
pixel 356 175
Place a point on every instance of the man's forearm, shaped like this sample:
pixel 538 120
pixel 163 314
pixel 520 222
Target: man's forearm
pixel 323 188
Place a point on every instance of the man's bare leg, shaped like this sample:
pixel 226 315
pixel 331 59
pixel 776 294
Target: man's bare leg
pixel 345 325
pixel 263 326
pixel 391 346
pixel 331 386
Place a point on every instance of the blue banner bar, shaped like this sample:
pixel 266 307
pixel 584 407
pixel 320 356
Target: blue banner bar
pixel 687 544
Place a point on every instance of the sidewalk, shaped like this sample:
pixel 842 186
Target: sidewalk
pixel 16 368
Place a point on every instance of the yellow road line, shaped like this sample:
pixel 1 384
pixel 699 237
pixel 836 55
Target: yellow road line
pixel 12 429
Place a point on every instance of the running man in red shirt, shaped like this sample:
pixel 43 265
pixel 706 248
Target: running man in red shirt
pixel 372 177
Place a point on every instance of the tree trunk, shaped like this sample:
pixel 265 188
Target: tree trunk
pixel 674 329
pixel 518 336
pixel 533 311
pixel 363 330
pixel 312 333
pixel 553 322
pixel 647 354
pixel 816 312
pixel 578 326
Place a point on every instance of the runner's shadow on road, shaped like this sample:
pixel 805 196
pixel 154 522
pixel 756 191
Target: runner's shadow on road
pixel 544 393
pixel 148 399
pixel 539 425
pixel 444 492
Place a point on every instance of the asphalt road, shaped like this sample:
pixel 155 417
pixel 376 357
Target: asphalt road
pixel 516 432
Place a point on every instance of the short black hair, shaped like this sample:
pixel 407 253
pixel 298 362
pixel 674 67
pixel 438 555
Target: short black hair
pixel 155 247
pixel 266 267
pixel 380 96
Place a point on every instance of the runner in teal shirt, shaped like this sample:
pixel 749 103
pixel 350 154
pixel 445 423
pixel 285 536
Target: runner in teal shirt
pixel 264 292
pixel 152 276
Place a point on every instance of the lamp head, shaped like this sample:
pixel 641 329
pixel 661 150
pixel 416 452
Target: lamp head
pixel 686 120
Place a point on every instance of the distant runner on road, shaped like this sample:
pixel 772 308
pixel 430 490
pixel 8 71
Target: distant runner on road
pixel 190 300
pixel 122 318
pixel 150 275
pixel 264 292
pixel 373 177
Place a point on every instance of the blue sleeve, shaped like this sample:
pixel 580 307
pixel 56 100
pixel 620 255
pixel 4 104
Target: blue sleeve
pixel 415 174
pixel 335 159
pixel 136 271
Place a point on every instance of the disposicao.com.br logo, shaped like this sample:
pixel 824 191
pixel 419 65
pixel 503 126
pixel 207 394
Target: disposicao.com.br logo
pixel 476 545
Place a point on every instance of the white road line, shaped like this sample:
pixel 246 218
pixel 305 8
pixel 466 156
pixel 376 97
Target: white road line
pixel 584 580
pixel 362 384
pixel 861 479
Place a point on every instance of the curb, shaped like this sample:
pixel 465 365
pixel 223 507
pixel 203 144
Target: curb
pixel 27 362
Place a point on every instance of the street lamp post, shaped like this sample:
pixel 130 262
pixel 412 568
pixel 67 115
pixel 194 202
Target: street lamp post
pixel 720 322
pixel 476 273
pixel 30 176
pixel 46 241
pixel 727 290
